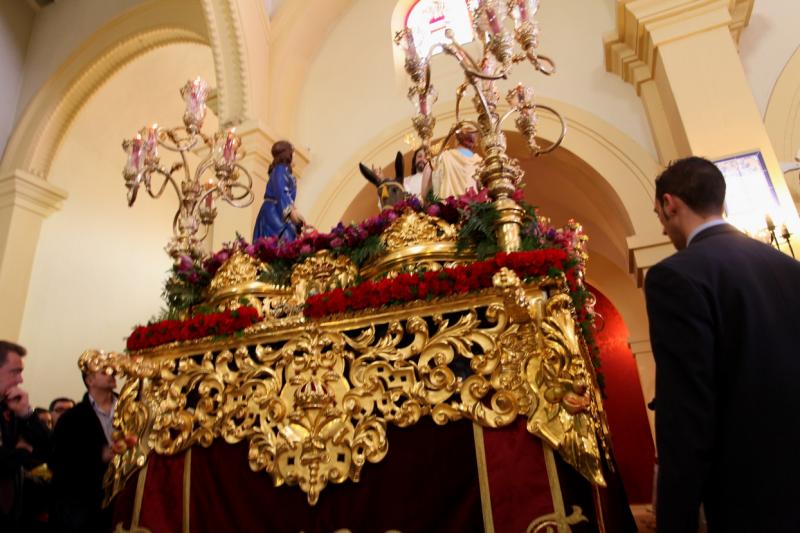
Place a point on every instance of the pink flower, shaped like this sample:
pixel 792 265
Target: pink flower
pixel 185 264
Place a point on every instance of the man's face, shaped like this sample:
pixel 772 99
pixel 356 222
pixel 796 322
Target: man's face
pixel 419 161
pixel 469 139
pixel 59 409
pixel 10 373
pixel 102 380
pixel 669 223
pixel 46 418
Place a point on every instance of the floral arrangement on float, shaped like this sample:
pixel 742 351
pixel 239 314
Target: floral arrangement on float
pixel 546 251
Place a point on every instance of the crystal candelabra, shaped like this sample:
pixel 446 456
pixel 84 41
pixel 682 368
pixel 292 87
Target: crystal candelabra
pixel 218 176
pixel 509 34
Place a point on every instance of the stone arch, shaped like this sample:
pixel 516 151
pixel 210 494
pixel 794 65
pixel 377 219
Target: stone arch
pixel 41 128
pixel 627 167
pixel 296 41
pixel 627 171
pixel 782 117
pixel 230 64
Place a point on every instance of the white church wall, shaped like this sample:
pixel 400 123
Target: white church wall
pixel 351 93
pixel 16 21
pixel 58 30
pixel 100 266
pixel 767 44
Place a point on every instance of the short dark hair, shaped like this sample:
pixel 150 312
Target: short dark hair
pixel 695 180
pixel 6 347
pixel 59 400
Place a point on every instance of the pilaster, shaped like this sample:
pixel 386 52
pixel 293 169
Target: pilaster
pixel 25 201
pixel 646 364
pixel 682 58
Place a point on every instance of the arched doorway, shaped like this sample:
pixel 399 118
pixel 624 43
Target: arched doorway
pixel 564 186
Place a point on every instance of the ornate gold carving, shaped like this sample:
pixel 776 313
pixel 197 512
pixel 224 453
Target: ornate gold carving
pixel 416 259
pixel 238 269
pixel 561 523
pixel 313 400
pixel 560 377
pixel 417 228
pixel 322 272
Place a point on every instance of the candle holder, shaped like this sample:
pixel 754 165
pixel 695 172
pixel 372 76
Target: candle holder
pixel 785 234
pixel 509 35
pixel 218 176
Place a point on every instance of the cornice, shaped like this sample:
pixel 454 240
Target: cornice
pixel 644 25
pixel 28 191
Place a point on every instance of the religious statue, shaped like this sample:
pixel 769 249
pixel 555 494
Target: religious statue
pixel 278 216
pixel 453 171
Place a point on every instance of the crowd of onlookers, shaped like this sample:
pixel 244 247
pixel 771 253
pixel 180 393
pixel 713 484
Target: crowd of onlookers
pixel 52 461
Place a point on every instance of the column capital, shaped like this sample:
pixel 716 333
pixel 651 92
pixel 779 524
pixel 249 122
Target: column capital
pixel 644 25
pixel 640 346
pixel 28 191
pixel 644 252
pixel 257 141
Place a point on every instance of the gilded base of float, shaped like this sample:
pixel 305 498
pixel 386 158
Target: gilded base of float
pixel 313 398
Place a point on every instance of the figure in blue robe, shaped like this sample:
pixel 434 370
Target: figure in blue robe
pixel 276 216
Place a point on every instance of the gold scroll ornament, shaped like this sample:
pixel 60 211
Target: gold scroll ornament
pixel 313 399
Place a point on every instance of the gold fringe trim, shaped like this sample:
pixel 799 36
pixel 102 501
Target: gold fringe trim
pixel 137 502
pixel 187 484
pixel 483 479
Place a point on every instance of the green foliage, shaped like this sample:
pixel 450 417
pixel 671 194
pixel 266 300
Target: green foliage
pixel 180 296
pixel 370 248
pixel 478 233
pixel 278 273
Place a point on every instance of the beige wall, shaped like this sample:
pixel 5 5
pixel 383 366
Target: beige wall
pixel 767 44
pixel 16 21
pixel 99 265
pixel 58 31
pixel 352 94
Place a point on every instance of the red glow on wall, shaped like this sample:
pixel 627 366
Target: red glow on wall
pixel 625 405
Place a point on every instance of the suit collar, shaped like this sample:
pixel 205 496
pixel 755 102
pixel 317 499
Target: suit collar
pixel 714 230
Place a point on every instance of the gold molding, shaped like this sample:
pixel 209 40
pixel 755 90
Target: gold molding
pixel 483 479
pixel 137 501
pixel 187 490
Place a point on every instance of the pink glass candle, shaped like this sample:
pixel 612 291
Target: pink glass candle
pixel 410 48
pixel 134 164
pixel 210 195
pixel 491 16
pixel 194 94
pixel 231 146
pixel 423 104
pixel 151 143
pixel 527 9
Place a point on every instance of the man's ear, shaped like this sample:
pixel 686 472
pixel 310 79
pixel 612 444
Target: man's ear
pixel 670 205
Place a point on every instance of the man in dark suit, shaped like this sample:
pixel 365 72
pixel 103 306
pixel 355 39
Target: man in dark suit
pixel 724 332
pixel 82 448
pixel 24 440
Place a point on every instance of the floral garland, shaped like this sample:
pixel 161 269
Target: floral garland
pixel 446 282
pixel 359 242
pixel 198 326
pixel 473 277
